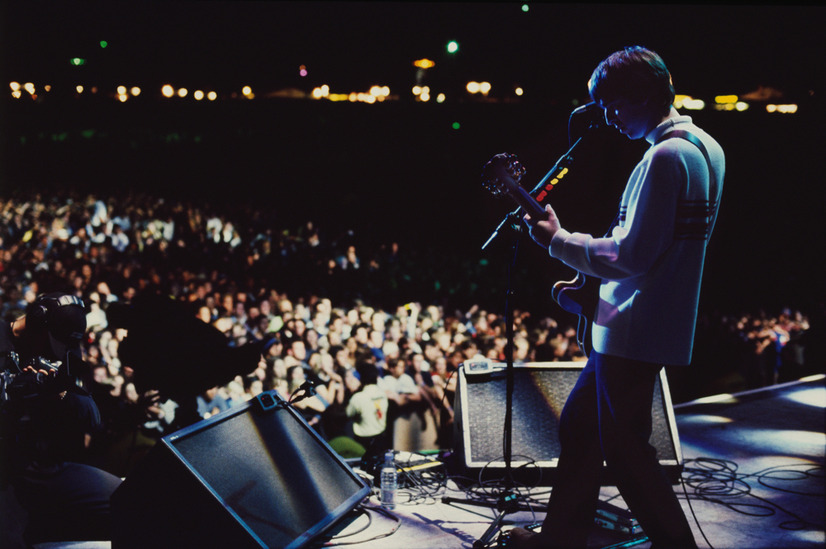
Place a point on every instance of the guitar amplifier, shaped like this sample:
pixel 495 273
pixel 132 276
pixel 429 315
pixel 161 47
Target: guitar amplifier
pixel 540 392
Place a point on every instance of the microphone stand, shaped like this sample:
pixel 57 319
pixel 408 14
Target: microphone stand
pixel 514 218
pixel 507 502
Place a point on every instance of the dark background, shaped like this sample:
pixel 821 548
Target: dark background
pixel 399 171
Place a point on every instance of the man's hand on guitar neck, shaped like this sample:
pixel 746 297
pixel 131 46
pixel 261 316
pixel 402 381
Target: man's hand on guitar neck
pixel 543 230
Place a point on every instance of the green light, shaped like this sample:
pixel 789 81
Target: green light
pixel 452 46
pixel 456 125
pixel 77 61
pixel 525 8
pixel 103 44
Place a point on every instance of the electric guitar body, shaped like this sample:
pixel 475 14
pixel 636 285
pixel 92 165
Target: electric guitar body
pixel 579 296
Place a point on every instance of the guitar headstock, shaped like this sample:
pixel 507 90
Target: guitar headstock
pixel 502 174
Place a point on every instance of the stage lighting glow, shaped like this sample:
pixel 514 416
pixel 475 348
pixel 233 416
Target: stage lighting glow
pixel 790 441
pixel 725 397
pixel 815 396
pixel 705 418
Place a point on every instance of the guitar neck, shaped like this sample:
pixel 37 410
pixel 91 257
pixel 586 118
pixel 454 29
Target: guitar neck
pixel 528 203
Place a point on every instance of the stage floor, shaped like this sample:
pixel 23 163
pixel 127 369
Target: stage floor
pixel 753 476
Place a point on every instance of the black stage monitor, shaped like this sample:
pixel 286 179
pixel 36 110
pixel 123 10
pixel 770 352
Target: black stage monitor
pixel 254 476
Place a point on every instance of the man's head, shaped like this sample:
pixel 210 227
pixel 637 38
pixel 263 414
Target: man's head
pixel 55 325
pixel 634 87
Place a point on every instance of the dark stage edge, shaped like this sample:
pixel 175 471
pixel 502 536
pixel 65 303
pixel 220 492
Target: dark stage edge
pixel 754 465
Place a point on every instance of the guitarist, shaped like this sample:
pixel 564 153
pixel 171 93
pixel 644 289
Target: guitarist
pixel 650 267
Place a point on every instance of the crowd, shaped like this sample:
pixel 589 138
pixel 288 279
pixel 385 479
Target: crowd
pixel 330 311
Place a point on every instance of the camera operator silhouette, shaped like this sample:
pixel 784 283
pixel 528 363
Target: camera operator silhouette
pixel 48 418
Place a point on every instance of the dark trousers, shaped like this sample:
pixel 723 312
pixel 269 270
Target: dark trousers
pixel 608 417
pixel 67 502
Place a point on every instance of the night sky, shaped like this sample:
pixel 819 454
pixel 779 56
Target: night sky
pixel 349 45
pixel 403 167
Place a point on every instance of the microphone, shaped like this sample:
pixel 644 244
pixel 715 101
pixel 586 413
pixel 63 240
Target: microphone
pixel 587 108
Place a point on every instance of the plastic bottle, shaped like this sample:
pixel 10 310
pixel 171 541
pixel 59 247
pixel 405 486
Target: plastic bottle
pixel 389 481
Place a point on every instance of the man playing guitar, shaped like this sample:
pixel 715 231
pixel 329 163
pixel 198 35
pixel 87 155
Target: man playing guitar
pixel 650 267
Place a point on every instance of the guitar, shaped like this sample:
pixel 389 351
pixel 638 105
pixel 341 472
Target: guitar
pixel 502 176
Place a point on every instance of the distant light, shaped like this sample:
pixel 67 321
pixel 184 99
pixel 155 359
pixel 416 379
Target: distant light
pixel 302 70
pixel 134 90
pixel 321 92
pixel 182 92
pixel 79 89
pixel 519 91
pixel 417 90
pixel 198 95
pixel 473 87
pixel 424 63
pixel 77 61
pixel 122 97
pixel 47 87
pixel 167 91
pixel 783 109
pixel 14 86
pixel 121 90
pixel 212 96
pixel 452 46
pixel 29 87
pixel 104 44
pixel 456 125
pixel 440 98
pixel 688 102
pixel 526 8
pixel 484 87
pixel 247 91
pixel 726 99
pixel 380 92
pixel 741 106
pixel 16 94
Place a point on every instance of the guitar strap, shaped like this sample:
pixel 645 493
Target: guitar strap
pixel 694 140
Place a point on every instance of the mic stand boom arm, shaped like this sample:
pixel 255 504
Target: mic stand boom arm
pixel 539 191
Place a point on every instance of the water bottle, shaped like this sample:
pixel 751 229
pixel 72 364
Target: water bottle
pixel 389 481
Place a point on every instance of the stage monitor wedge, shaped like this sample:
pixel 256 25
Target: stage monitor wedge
pixel 540 392
pixel 248 477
